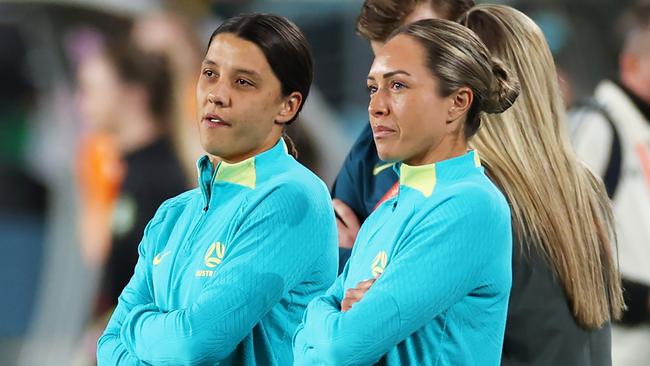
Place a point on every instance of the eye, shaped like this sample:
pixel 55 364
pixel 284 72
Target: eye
pixel 243 82
pixel 209 73
pixel 372 89
pixel 397 85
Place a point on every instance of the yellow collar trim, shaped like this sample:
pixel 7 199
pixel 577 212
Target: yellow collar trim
pixel 421 178
pixel 242 173
pixel 424 177
pixel 477 159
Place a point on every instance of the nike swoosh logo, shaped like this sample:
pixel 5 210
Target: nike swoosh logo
pixel 380 168
pixel 157 259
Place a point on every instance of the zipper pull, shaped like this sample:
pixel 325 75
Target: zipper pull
pixel 205 209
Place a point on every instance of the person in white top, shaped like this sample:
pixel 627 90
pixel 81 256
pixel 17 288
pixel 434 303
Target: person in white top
pixel 612 136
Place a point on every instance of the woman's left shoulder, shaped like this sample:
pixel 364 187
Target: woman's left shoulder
pixel 479 194
pixel 298 178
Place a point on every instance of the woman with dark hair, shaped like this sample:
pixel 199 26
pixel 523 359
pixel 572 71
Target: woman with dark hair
pixel 226 270
pixel 439 252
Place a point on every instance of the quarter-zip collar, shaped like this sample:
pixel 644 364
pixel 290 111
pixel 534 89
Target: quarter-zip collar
pixel 244 173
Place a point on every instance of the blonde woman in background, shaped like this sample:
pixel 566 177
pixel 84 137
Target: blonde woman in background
pixel 566 286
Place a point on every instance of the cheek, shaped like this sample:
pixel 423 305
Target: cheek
pixel 263 109
pixel 434 108
pixel 421 120
pixel 201 92
pixel 255 115
pixel 409 115
pixel 271 103
pixel 401 107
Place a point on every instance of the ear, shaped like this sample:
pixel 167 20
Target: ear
pixel 289 108
pixel 460 101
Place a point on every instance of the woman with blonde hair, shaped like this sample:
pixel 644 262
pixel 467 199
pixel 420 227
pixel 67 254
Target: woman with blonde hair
pixel 566 285
pixel 441 249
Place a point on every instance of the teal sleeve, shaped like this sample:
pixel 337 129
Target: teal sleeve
pixel 274 248
pixel 301 338
pixel 440 261
pixel 110 349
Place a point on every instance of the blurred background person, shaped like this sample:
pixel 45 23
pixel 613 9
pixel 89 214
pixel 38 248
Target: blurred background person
pixel 126 93
pixel 100 170
pixel 613 137
pixel 172 35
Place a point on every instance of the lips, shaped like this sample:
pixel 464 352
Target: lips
pixel 214 120
pixel 379 131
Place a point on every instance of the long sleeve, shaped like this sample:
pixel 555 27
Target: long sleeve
pixel 110 349
pixel 333 298
pixel 270 253
pixel 441 259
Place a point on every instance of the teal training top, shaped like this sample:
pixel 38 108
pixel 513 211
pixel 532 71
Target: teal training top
pixel 442 251
pixel 226 270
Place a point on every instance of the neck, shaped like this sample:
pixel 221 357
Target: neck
pixel 448 148
pixel 239 157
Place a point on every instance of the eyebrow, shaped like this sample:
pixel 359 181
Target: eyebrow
pixel 391 73
pixel 250 73
pixel 208 62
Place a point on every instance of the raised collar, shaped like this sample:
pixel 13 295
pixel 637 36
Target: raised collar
pixel 424 178
pixel 243 173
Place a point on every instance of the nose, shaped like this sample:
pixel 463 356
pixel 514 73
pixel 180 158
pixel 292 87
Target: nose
pixel 219 95
pixel 378 106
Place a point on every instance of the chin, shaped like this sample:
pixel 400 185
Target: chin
pixel 387 156
pixel 211 148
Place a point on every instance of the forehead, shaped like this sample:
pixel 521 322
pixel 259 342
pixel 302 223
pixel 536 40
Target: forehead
pixel 230 51
pixel 401 52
